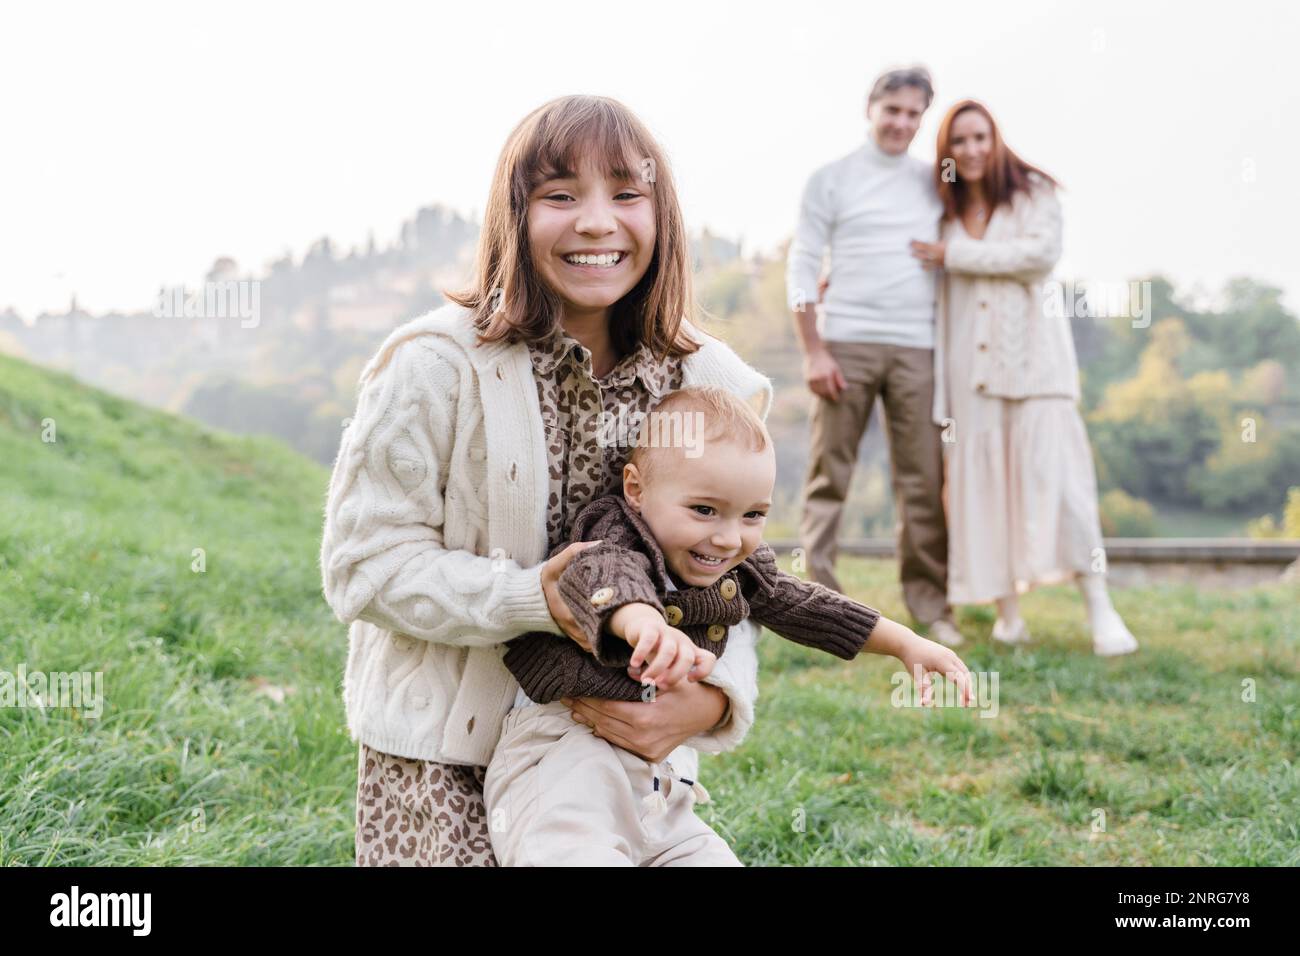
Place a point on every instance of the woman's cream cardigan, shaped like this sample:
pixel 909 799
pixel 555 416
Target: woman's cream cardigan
pixel 1024 347
pixel 435 534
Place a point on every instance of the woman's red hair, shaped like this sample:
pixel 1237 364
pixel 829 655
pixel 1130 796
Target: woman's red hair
pixel 1005 174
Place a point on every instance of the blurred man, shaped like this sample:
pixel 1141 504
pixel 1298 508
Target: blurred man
pixel 875 337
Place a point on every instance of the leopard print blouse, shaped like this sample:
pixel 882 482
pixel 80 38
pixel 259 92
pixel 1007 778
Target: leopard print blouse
pixel 589 423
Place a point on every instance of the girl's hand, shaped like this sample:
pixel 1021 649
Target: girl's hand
pixel 925 657
pixel 931 254
pixel 551 572
pixel 655 729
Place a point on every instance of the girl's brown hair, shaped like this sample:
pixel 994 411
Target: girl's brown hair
pixel 1005 175
pixel 508 297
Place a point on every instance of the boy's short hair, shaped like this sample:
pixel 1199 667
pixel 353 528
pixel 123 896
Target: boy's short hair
pixel 726 418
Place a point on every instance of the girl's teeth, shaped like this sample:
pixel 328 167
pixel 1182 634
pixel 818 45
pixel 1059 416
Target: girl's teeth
pixel 608 259
pixel 704 560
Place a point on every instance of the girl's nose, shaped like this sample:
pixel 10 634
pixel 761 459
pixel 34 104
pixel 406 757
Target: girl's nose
pixel 596 219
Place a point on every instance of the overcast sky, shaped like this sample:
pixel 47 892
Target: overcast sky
pixel 143 140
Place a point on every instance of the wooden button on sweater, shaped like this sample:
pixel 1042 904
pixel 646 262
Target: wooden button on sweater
pixel 728 588
pixel 673 615
pixel 602 597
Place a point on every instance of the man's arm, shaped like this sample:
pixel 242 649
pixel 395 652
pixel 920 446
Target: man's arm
pixel 803 266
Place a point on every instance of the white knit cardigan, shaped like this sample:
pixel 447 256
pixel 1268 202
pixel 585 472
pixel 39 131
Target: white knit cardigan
pixel 1024 347
pixel 435 535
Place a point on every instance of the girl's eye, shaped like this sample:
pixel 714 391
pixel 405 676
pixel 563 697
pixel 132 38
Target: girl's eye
pixel 757 514
pixel 697 508
pixel 622 195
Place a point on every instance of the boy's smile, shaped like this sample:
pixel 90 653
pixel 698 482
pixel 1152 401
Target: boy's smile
pixel 707 513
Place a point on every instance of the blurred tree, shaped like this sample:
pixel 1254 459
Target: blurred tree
pixel 1123 516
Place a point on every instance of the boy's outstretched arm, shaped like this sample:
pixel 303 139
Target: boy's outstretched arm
pixel 814 615
pixel 802 611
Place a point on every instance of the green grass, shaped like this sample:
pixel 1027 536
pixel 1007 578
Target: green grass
pixel 191 761
pixel 1158 749
pixel 195 761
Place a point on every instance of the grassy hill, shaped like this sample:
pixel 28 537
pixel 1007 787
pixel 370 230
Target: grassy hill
pixel 194 759
pixel 222 738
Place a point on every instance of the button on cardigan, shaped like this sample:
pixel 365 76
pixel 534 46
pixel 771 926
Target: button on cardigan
pixel 434 538
pixel 628 567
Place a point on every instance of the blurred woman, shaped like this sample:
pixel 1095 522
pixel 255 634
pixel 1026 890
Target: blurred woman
pixel 1021 486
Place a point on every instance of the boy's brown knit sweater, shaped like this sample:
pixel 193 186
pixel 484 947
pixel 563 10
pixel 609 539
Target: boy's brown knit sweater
pixel 628 567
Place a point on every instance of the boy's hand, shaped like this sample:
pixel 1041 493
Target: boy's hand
pixel 925 657
pixel 668 654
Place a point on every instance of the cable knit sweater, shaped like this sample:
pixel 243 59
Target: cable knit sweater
pixel 434 538
pixel 1024 347
pixel 628 567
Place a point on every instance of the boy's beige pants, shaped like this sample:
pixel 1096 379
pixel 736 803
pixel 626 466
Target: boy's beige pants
pixel 557 795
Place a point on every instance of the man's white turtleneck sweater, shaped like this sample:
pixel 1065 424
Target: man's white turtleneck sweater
pixel 867 206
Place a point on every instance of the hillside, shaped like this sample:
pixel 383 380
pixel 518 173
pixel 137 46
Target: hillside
pixel 221 737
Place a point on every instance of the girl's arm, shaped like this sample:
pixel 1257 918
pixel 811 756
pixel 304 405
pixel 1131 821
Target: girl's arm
pixel 382 556
pixel 1028 256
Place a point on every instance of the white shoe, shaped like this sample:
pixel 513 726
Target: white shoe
pixel 1111 637
pixel 946 633
pixel 1014 633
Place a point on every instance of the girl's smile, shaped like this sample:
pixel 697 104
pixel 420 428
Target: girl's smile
pixel 593 261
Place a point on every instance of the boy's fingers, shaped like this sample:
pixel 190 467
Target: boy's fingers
pixel 680 667
pixel 701 666
pixel 965 681
pixel 962 677
pixel 707 662
pixel 644 645
pixel 663 657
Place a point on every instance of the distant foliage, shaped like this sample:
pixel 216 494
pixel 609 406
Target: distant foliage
pixel 1266 527
pixel 1123 516
pixel 1208 417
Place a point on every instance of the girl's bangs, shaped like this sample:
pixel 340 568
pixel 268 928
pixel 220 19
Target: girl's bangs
pixel 560 149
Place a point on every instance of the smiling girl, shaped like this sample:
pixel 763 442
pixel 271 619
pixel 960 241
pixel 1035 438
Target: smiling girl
pixel 475 444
